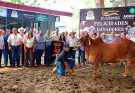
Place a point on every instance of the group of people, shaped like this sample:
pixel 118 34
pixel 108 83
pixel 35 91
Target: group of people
pixel 26 48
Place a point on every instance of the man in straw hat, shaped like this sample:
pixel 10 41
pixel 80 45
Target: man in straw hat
pixel 72 41
pixel 22 31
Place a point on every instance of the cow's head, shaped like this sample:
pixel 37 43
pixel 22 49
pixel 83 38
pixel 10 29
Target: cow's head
pixel 86 40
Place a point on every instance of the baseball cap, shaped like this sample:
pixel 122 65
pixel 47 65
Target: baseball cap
pixel 66 45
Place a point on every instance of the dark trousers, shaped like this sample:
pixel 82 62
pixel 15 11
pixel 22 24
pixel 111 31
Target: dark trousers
pixel 0 56
pixel 29 55
pixel 81 55
pixel 15 55
pixel 7 54
pixel 72 53
pixel 38 55
pixel 48 54
pixel 22 58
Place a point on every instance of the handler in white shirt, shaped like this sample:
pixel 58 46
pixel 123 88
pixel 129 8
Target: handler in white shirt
pixel 14 44
pixel 72 41
pixel 1 44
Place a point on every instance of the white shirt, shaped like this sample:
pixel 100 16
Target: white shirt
pixel 56 37
pixel 72 41
pixel 1 42
pixel 29 43
pixel 15 40
pixel 133 39
pixel 23 37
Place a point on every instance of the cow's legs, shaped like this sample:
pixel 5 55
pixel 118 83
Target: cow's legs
pixel 96 65
pixel 126 69
pixel 133 67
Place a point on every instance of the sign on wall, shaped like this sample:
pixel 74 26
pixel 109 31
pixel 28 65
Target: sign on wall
pixel 99 20
pixel 3 12
pixel 28 16
pixel 41 17
pixel 14 14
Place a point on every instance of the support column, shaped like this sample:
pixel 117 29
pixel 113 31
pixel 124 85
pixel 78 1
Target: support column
pixel 100 3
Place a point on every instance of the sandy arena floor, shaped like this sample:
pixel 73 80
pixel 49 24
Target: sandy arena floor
pixel 40 80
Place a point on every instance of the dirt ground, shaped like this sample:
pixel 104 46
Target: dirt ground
pixel 40 80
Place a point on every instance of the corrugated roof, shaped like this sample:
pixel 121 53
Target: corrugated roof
pixel 34 9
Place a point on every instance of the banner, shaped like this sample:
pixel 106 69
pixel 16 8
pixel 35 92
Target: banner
pixel 105 20
pixel 3 12
pixel 14 14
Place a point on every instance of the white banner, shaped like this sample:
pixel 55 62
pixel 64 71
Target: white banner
pixel 3 12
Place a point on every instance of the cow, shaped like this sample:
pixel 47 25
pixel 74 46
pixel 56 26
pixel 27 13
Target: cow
pixel 97 51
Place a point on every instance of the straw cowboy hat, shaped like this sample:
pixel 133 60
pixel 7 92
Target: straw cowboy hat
pixel 21 29
pixel 73 32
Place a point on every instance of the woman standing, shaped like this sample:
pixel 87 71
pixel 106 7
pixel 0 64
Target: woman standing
pixel 1 44
pixel 29 48
pixel 62 38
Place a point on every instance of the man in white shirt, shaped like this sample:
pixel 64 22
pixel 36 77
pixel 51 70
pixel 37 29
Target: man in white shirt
pixel 72 41
pixel 56 35
pixel 21 32
pixel 14 44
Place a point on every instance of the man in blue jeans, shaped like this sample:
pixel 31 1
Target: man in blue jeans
pixel 48 51
pixel 81 55
pixel 14 44
pixel 40 46
pixel 6 52
pixel 63 62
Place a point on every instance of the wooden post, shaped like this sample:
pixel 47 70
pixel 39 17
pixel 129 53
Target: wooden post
pixel 100 3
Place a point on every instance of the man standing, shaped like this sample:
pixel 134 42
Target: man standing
pixel 1 44
pixel 40 46
pixel 22 31
pixel 72 41
pixel 81 52
pixel 113 37
pixel 56 35
pixel 48 54
pixel 14 44
pixel 6 51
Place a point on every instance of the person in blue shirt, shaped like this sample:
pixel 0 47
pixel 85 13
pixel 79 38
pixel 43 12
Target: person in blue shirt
pixel 48 52
pixel 113 37
pixel 6 52
pixel 104 38
pixel 40 46
pixel 62 62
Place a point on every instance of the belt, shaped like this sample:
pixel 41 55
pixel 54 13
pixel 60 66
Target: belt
pixel 15 46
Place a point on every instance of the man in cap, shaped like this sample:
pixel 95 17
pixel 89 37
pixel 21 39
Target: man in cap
pixel 63 62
